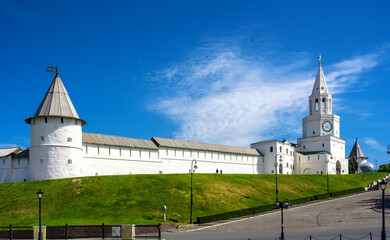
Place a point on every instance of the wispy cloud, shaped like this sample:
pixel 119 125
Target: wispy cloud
pixel 374 144
pixel 219 95
pixel 7 145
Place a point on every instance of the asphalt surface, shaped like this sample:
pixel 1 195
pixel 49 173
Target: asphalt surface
pixel 353 216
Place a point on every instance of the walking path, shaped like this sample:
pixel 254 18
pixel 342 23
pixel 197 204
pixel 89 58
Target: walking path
pixel 352 210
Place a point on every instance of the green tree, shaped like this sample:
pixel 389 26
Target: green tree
pixel 352 165
pixel 385 168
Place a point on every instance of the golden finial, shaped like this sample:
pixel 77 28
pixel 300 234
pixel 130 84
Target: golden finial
pixel 320 59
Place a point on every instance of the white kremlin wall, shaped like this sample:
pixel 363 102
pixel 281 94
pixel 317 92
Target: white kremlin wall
pixel 111 160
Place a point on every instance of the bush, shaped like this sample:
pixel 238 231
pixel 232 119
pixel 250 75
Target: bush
pixel 385 168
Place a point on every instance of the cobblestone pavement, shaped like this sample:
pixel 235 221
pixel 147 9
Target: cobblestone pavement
pixel 359 209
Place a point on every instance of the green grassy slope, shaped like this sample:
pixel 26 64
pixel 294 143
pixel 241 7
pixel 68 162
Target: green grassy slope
pixel 139 198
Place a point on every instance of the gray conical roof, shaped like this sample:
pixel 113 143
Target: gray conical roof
pixel 56 103
pixel 320 86
pixel 357 151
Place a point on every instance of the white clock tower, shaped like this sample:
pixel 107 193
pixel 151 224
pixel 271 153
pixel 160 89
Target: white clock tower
pixel 321 134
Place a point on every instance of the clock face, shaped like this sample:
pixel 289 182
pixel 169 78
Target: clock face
pixel 327 126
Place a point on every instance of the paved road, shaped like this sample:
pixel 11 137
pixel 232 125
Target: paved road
pixel 354 215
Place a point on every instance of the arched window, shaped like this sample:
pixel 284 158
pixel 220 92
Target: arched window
pixel 271 149
pixel 317 104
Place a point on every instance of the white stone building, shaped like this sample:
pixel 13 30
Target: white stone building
pixel 59 148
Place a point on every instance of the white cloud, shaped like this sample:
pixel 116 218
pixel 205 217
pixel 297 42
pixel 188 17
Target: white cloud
pixel 374 144
pixel 221 96
pixel 7 145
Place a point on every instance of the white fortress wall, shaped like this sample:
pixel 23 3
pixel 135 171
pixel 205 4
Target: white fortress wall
pixel 114 160
pixel 19 170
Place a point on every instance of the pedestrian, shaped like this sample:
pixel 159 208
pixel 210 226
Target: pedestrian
pixel 221 171
pixel 217 171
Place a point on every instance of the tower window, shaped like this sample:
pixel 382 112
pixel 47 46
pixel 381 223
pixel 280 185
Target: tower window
pixel 286 150
pixel 76 121
pixel 280 149
pixel 33 121
pixel 18 161
pixel 62 120
pixel 304 147
pixel 316 104
pixel 45 119
pixel 323 145
pixel 314 132
pixel 271 149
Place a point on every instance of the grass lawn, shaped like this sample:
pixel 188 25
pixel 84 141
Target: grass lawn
pixel 138 199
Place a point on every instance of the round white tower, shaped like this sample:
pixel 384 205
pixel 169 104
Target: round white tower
pixel 55 137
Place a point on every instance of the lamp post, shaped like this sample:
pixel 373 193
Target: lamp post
pixel 276 172
pixel 382 185
pixel 192 171
pixel 40 193
pixel 284 204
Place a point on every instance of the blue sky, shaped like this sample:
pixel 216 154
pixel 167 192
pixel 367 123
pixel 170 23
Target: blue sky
pixel 228 72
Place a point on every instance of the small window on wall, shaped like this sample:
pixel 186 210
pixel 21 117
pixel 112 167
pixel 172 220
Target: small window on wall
pixel 272 171
pixel 3 161
pixel 86 149
pixel 42 138
pixel 18 161
pixel 280 149
pixel 271 149
pixel 45 119
pixel 120 151
pixel 33 121
pixel 308 158
pixel 62 120
pixel 318 157
pixel 98 150
pixel 304 147
pixel 69 161
pixel 76 121
pixel 69 139
pixel 314 132
pixel 323 145
pixel 109 151
pixel 286 151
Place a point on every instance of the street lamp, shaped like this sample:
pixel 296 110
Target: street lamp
pixel 40 193
pixel 192 171
pixel 285 204
pixel 276 172
pixel 382 185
